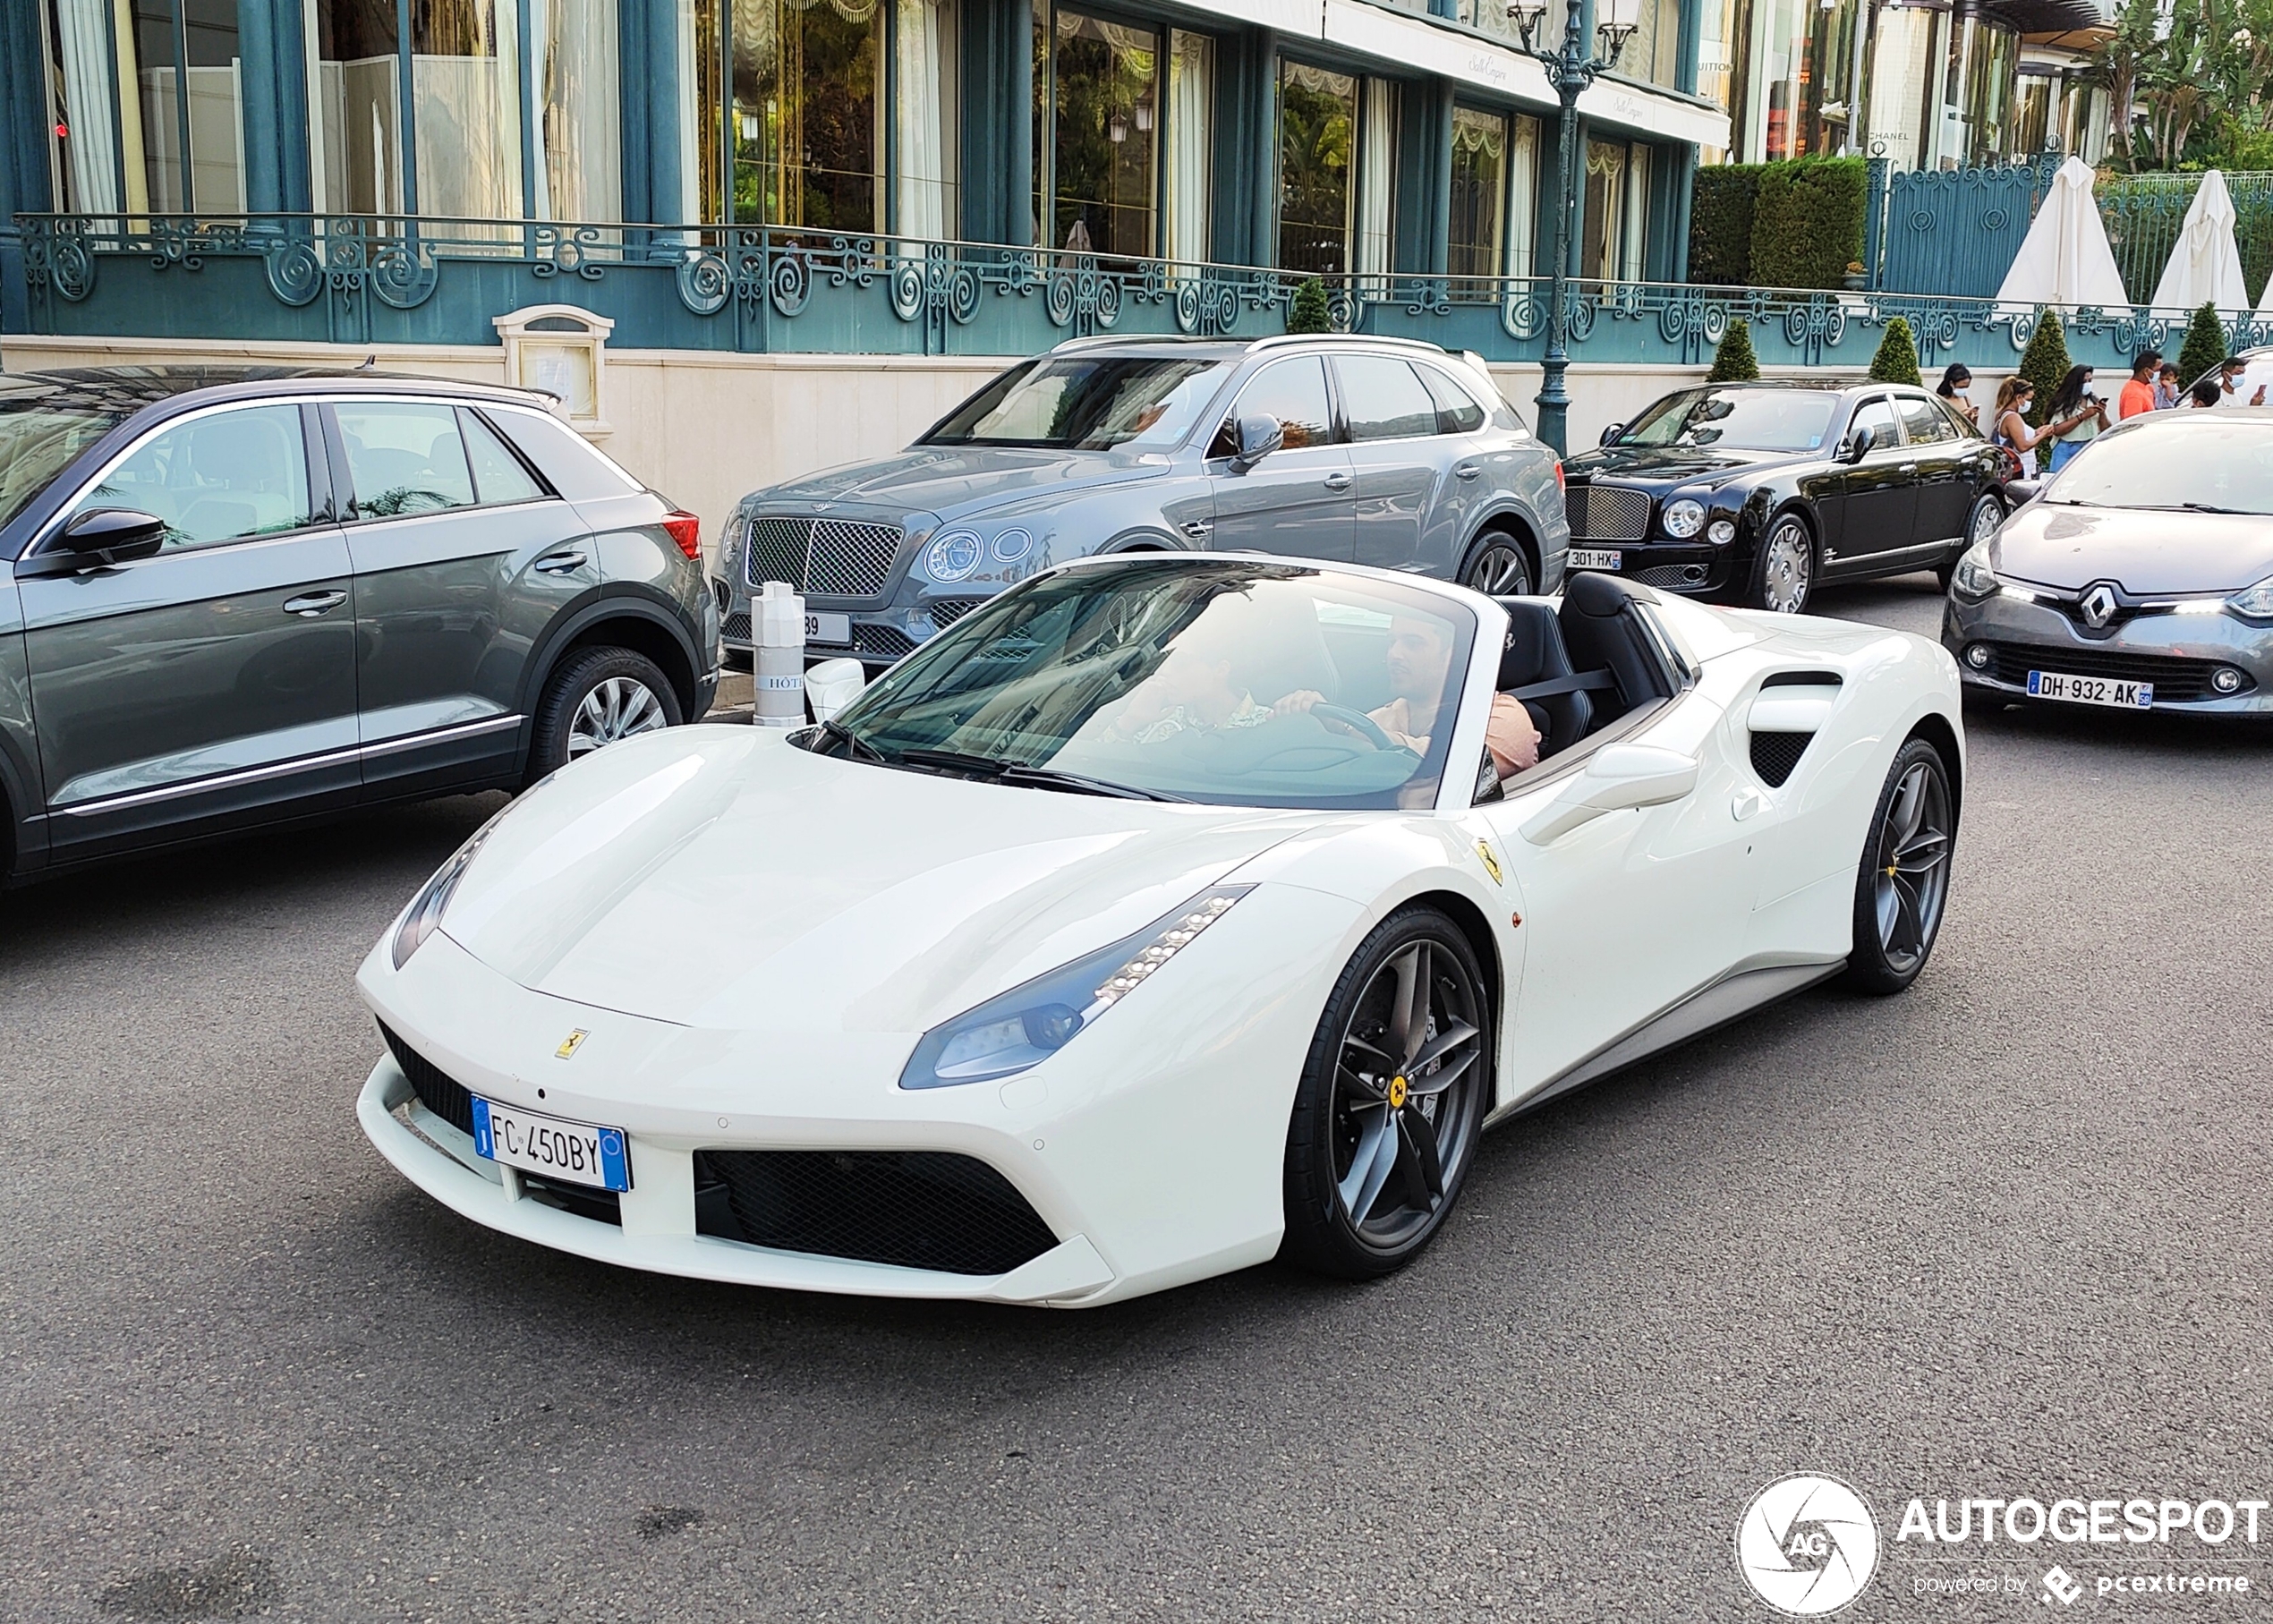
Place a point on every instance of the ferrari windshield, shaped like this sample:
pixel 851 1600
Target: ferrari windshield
pixel 1744 420
pixel 1234 683
pixel 2210 460
pixel 1086 402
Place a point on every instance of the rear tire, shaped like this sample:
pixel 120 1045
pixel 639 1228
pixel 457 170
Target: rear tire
pixel 1902 886
pixel 1392 1100
pixel 597 697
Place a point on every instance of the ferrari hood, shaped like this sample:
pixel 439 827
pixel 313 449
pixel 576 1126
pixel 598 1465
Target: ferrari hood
pixel 719 877
pixel 952 481
pixel 2142 551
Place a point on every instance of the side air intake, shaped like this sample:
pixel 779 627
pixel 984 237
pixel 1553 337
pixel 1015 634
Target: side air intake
pixel 1790 710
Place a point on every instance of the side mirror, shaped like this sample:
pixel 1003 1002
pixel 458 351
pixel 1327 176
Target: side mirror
pixel 1617 778
pixel 100 537
pixel 1611 432
pixel 1259 435
pixel 1858 446
pixel 2024 490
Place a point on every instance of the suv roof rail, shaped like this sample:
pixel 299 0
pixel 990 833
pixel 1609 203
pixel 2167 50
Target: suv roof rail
pixel 1277 339
pixel 1102 340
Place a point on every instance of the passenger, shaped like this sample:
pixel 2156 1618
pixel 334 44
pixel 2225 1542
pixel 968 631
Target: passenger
pixel 1191 692
pixel 1419 659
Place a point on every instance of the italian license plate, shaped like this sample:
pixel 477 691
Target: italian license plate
pixel 1594 558
pixel 828 628
pixel 2091 690
pixel 575 1153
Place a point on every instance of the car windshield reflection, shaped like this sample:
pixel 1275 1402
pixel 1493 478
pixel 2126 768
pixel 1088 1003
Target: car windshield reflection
pixel 1232 683
pixel 1744 420
pixel 2198 461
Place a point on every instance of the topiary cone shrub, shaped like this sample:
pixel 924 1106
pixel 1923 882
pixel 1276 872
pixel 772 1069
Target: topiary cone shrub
pixel 2044 363
pixel 1310 314
pixel 1897 361
pixel 2204 348
pixel 1733 362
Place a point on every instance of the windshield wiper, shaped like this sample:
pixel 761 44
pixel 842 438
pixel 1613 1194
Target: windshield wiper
pixel 1003 771
pixel 854 744
pixel 2180 507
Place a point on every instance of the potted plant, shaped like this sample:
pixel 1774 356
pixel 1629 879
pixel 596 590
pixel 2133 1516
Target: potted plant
pixel 1854 277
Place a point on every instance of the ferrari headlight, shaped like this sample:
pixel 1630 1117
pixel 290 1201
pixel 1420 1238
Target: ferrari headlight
pixel 1973 577
pixel 953 555
pixel 2256 603
pixel 1027 1024
pixel 1684 518
pixel 426 913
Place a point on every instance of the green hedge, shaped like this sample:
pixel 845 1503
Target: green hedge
pixel 1791 224
pixel 1720 225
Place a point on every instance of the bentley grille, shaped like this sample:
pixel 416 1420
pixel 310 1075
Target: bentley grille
pixel 913 1209
pixel 1605 513
pixel 834 558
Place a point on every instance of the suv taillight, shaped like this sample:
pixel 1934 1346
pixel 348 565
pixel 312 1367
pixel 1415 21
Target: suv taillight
pixel 686 530
pixel 1558 485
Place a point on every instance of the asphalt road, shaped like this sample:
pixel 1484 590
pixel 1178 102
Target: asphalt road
pixel 2004 1236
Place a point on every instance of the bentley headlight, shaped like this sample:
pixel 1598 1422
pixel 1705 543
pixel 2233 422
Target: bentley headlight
pixel 1027 1024
pixel 1684 518
pixel 2256 603
pixel 953 555
pixel 1973 577
pixel 426 914
pixel 1720 532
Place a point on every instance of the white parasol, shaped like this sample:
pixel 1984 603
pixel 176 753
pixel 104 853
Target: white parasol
pixel 2205 266
pixel 2064 259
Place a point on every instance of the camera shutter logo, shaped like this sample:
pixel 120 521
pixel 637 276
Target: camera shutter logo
pixel 1807 1545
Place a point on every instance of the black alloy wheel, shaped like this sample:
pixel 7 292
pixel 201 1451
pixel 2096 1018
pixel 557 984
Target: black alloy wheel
pixel 1784 568
pixel 1903 884
pixel 1980 524
pixel 597 697
pixel 1497 567
pixel 1392 1100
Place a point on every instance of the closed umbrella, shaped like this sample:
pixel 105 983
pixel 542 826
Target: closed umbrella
pixel 2205 267
pixel 2064 259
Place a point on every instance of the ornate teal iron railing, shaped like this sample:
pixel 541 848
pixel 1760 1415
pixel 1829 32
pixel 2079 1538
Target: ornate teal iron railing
pixel 360 280
pixel 2143 212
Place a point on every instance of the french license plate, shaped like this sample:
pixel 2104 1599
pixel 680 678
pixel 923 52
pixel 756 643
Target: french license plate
pixel 1594 558
pixel 575 1153
pixel 828 628
pixel 2091 690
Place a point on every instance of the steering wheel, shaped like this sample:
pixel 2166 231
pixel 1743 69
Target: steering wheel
pixel 1362 725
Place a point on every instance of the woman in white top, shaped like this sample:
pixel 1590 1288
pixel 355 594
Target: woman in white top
pixel 2085 412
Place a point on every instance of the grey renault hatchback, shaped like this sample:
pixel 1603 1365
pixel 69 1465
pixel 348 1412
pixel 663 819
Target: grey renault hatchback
pixel 232 597
pixel 1384 451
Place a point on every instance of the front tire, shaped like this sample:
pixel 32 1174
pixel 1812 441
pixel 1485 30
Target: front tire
pixel 1783 569
pixel 597 697
pixel 1903 885
pixel 1392 1100
pixel 1980 524
pixel 1497 566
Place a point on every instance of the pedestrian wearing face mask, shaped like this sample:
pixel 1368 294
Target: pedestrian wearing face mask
pixel 1955 381
pixel 2085 413
pixel 2139 394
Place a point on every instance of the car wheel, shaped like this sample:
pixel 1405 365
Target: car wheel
pixel 597 697
pixel 1392 1100
pixel 1904 874
pixel 1497 567
pixel 1783 571
pixel 1987 513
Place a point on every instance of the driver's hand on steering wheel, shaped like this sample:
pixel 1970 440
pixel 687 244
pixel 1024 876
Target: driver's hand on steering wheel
pixel 1299 703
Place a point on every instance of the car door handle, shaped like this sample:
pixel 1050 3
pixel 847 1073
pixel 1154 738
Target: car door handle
pixel 1907 469
pixel 1337 481
pixel 1466 471
pixel 560 563
pixel 309 605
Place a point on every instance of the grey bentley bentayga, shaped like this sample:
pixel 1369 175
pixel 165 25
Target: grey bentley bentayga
pixel 1382 452
pixel 234 597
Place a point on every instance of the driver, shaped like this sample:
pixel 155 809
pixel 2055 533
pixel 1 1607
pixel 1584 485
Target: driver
pixel 1419 659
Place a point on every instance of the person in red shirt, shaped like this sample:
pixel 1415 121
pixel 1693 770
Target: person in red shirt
pixel 2138 395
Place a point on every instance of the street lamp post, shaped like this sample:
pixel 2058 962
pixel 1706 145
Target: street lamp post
pixel 1569 69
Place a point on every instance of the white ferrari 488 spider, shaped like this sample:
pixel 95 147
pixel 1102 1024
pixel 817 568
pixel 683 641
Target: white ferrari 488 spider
pixel 1165 915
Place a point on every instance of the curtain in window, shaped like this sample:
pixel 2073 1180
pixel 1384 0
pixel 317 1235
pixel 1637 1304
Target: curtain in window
pixel 1376 182
pixel 572 46
pixel 466 107
pixel 1191 136
pixel 1636 237
pixel 1523 198
pixel 90 148
pixel 924 56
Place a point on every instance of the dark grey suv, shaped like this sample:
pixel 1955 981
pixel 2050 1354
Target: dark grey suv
pixel 234 597
pixel 1375 451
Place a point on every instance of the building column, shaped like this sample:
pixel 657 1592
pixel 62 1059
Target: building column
pixel 1246 102
pixel 1688 50
pixel 998 122
pixel 272 75
pixel 25 183
pixel 647 93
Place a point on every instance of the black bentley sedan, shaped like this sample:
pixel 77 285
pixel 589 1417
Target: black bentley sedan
pixel 1757 492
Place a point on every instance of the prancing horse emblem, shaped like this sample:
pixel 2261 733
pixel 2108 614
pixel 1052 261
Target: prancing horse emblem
pixel 2098 605
pixel 571 1043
